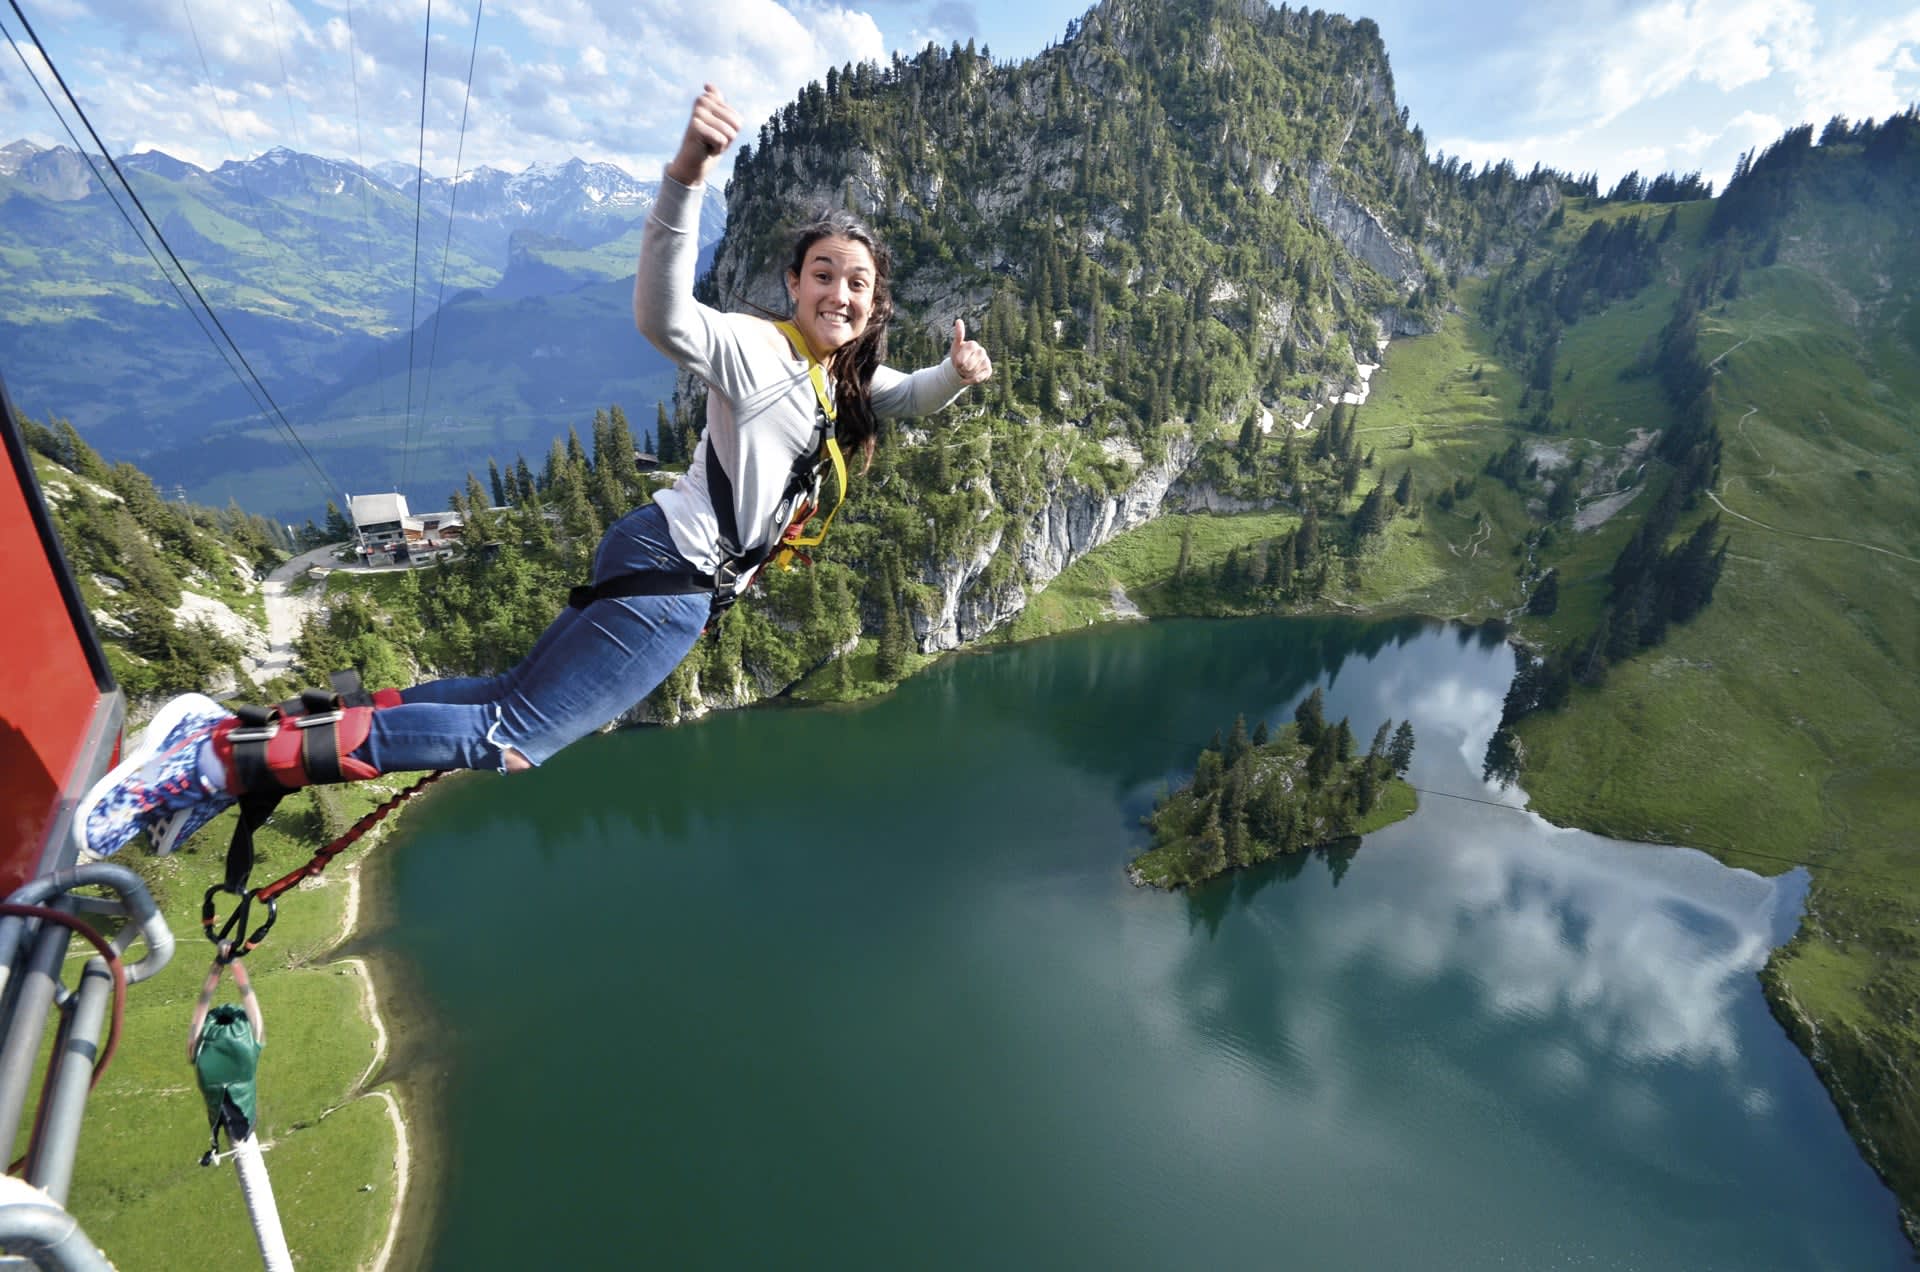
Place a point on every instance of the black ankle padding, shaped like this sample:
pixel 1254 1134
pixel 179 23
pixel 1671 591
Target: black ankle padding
pixel 348 689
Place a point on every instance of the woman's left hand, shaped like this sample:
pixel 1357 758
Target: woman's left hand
pixel 968 358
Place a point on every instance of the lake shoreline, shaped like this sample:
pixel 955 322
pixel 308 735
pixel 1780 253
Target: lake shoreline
pixel 398 1073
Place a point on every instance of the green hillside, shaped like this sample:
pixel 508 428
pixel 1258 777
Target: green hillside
pixel 1780 727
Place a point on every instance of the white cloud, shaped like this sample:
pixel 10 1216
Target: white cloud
pixel 1660 47
pixel 1861 74
pixel 603 79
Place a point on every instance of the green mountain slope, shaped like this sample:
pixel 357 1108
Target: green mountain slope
pixel 1780 726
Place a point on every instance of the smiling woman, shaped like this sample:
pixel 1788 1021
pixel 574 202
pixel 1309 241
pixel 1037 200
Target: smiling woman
pixel 781 398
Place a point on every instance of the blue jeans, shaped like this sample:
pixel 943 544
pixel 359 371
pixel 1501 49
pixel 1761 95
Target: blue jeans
pixel 586 669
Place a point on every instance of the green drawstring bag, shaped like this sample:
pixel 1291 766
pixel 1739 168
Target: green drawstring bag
pixel 225 1063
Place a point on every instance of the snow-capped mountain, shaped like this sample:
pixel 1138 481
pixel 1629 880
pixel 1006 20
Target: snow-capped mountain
pixel 584 203
pixel 13 154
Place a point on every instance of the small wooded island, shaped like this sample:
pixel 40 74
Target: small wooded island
pixel 1253 797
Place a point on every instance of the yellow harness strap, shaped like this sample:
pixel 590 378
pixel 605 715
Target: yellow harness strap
pixel 817 372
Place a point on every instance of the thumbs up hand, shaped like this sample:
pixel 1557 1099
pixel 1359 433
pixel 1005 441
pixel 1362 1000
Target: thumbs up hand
pixel 968 358
pixel 711 128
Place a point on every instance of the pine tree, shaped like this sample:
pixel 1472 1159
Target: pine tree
pixel 667 453
pixel 1310 717
pixel 1367 789
pixel 890 660
pixel 339 529
pixel 1370 518
pixel 1306 540
pixel 1400 753
pixel 1546 595
pixel 1238 743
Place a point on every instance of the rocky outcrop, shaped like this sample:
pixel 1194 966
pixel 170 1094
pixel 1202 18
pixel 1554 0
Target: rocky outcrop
pixel 1075 519
pixel 1363 234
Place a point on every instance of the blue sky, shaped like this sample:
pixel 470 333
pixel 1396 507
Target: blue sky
pixel 1583 85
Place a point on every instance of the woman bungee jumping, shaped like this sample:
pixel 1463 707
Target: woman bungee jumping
pixel 783 399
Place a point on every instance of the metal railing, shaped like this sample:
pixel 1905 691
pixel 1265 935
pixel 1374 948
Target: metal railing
pixel 34 1224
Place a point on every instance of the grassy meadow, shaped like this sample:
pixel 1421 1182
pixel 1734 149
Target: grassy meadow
pixel 1779 728
pixel 330 1147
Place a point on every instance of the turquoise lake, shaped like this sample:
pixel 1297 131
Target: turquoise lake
pixel 868 988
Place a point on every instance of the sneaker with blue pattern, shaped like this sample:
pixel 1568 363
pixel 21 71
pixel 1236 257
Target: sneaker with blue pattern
pixel 157 787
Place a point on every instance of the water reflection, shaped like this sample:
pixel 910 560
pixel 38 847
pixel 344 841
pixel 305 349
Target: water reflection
pixel 903 954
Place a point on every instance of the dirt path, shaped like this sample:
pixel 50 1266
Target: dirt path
pixel 286 610
pixel 1816 538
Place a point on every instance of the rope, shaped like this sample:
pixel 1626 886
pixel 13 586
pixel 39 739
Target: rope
pixel 366 204
pixel 446 250
pixel 321 859
pixel 413 285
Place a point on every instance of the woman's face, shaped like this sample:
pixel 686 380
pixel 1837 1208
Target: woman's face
pixel 833 293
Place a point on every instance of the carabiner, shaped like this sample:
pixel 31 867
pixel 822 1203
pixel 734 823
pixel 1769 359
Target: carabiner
pixel 235 926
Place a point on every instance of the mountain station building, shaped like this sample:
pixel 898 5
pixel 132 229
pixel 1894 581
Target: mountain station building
pixel 385 533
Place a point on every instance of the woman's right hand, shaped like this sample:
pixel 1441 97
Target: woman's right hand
pixel 710 130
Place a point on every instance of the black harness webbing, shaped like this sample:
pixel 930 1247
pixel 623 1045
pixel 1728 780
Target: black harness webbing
pixel 736 563
pixel 317 711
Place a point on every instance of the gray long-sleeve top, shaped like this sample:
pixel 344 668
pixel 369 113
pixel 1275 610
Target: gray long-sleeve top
pixel 760 404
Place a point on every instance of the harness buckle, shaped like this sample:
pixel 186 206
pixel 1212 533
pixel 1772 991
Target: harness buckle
pixel 314 721
pixel 231 940
pixel 258 733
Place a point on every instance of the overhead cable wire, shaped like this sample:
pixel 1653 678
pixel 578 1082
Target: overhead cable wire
pixel 286 81
pixel 240 171
pixel 453 200
pixel 419 197
pixel 273 408
pixel 124 214
pixel 187 277
pixel 366 196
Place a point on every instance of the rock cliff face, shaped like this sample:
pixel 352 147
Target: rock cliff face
pixel 1075 519
pixel 1363 234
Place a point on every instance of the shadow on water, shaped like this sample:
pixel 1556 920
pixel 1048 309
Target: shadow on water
pixel 1209 903
pixel 1098 697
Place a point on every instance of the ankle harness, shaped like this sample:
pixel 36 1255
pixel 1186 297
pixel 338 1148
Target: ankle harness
pixel 270 752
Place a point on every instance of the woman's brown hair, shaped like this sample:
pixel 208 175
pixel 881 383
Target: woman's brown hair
pixel 852 364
